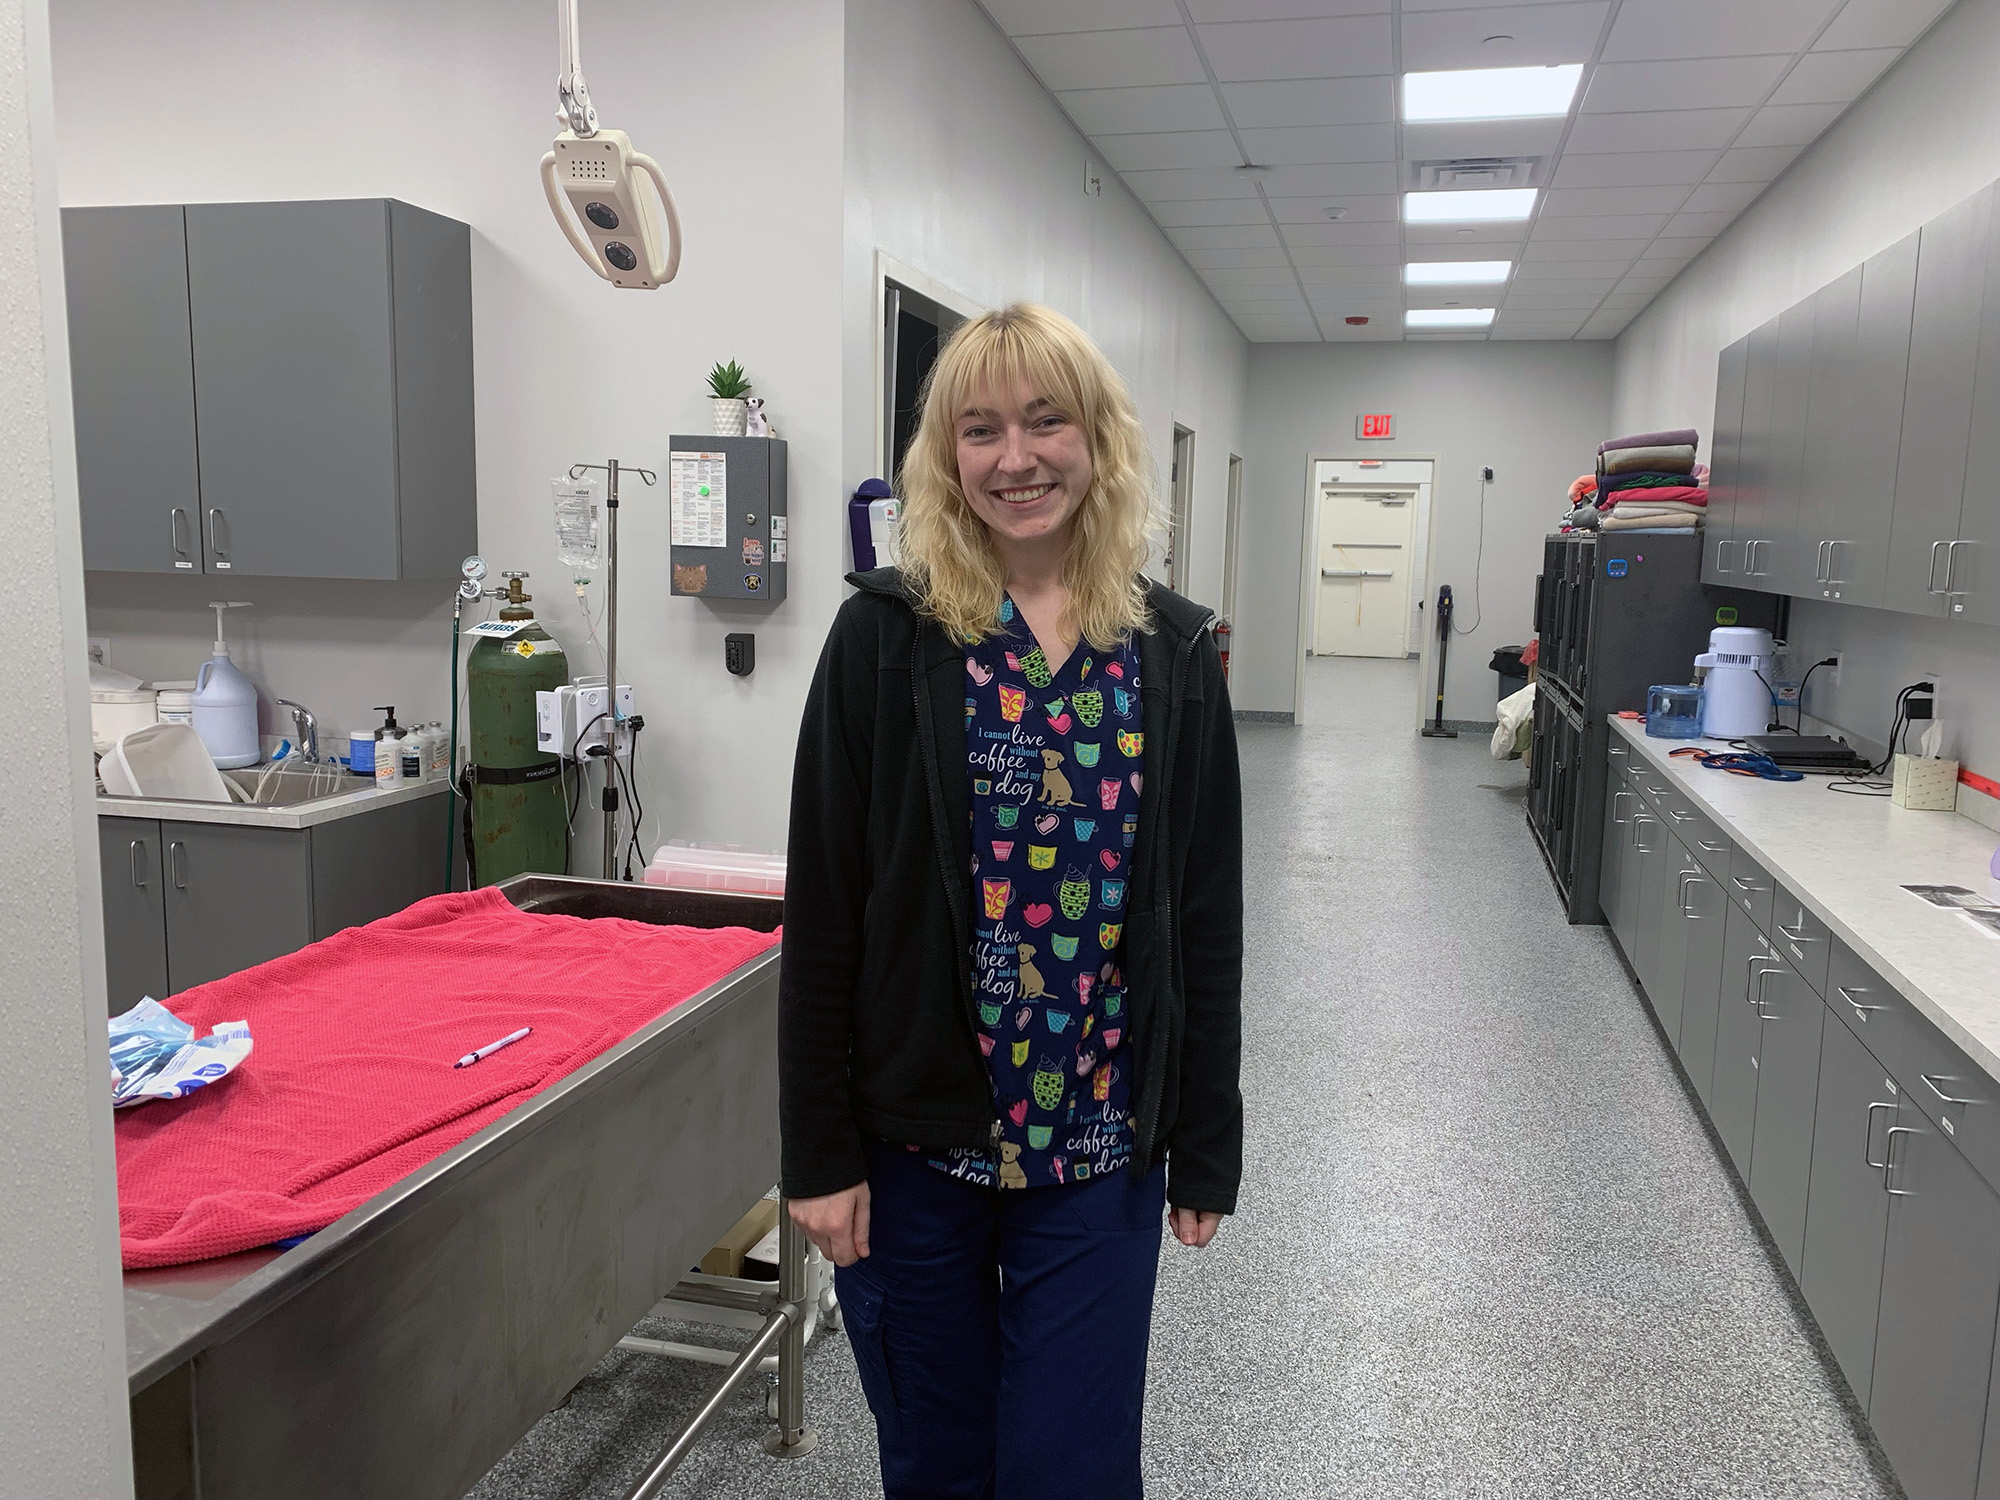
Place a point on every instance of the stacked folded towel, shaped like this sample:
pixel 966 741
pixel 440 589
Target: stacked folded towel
pixel 1650 481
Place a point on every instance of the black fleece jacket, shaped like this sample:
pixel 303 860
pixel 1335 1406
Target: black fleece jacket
pixel 877 1025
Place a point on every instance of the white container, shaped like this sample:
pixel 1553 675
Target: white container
pixel 732 415
pixel 1736 694
pixel 225 713
pixel 440 752
pixel 115 713
pixel 361 752
pixel 413 762
pixel 176 702
pixel 163 760
pixel 688 868
pixel 388 758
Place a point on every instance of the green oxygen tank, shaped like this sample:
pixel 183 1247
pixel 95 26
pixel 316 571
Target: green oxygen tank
pixel 519 818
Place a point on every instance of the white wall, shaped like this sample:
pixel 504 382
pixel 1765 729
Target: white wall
pixel 62 1341
pixel 450 105
pixel 962 167
pixel 1926 136
pixel 1535 412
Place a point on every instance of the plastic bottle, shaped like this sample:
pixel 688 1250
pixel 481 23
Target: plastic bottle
pixel 225 705
pixel 576 523
pixel 413 758
pixel 388 759
pixel 440 751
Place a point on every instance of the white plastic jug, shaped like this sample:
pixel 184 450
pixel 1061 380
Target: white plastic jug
pixel 225 704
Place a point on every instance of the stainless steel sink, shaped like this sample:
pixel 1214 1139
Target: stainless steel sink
pixel 287 787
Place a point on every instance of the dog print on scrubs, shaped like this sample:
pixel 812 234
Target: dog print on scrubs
pixel 1049 892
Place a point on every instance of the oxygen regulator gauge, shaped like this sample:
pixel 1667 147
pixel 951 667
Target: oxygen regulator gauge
pixel 474 571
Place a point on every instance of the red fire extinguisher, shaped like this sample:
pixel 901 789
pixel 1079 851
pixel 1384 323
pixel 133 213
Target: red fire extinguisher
pixel 1222 645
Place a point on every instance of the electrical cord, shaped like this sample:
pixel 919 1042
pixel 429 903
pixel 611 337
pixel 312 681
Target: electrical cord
pixel 1478 565
pixel 1799 708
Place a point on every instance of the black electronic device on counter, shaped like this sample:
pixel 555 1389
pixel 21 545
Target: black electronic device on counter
pixel 1616 613
pixel 1812 752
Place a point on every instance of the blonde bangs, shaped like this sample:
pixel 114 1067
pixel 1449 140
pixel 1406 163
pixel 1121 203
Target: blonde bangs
pixel 944 549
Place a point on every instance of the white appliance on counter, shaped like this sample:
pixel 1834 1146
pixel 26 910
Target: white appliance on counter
pixel 1736 694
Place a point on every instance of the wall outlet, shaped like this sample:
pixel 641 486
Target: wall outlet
pixel 1093 181
pixel 100 650
pixel 1838 657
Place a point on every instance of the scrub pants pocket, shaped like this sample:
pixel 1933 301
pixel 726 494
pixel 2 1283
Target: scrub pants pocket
pixel 863 1313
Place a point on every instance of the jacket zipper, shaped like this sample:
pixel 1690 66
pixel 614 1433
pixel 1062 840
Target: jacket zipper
pixel 941 836
pixel 1156 1074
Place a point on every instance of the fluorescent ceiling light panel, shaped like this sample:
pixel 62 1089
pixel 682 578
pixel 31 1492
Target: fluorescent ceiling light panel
pixel 1470 206
pixel 1448 317
pixel 1491 93
pixel 1456 272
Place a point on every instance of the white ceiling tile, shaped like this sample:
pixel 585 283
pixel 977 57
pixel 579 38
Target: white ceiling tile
pixel 1196 182
pixel 1321 143
pixel 1342 233
pixel 1647 284
pixel 1415 5
pixel 1333 304
pixel 1441 140
pixel 1552 301
pixel 1185 213
pixel 1377 331
pixel 1713 83
pixel 1362 208
pixel 1542 35
pixel 1576 203
pixel 1113 59
pixel 1702 223
pixel 1355 177
pixel 1625 302
pixel 1166 106
pixel 1600 227
pixel 1517 335
pixel 1224 237
pixel 1651 30
pixel 1247 276
pixel 1723 197
pixel 1534 272
pixel 1543 250
pixel 1261 301
pixel 1881 23
pixel 1789 124
pixel 1508 318
pixel 1311 101
pixel 1026 17
pixel 1681 250
pixel 1283 10
pixel 1464 296
pixel 1204 260
pixel 1344 47
pixel 1655 130
pixel 1325 280
pixel 1305 256
pixel 1465 236
pixel 1632 168
pixel 1833 77
pixel 1752 163
pixel 1170 148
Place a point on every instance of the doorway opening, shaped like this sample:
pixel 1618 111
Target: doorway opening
pixel 1232 517
pixel 914 329
pixel 1178 561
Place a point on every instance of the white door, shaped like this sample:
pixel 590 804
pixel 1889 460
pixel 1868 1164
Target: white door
pixel 1366 529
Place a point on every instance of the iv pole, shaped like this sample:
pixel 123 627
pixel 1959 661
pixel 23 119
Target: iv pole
pixel 611 468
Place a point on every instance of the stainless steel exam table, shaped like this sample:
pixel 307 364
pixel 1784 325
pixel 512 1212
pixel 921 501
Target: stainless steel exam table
pixel 402 1350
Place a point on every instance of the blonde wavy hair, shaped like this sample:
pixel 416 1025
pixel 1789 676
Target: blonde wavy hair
pixel 945 550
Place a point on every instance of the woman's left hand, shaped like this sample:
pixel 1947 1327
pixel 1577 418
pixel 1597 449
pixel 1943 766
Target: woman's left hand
pixel 1193 1227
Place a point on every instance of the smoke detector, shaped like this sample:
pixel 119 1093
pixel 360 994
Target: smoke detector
pixel 1476 172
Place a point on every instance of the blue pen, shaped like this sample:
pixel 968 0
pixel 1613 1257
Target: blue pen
pixel 492 1047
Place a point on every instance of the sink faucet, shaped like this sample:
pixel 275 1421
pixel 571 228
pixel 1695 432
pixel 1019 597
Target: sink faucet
pixel 307 728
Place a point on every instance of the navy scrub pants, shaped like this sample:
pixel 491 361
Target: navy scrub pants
pixel 1001 1336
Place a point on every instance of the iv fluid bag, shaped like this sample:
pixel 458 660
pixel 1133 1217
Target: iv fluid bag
pixel 576 523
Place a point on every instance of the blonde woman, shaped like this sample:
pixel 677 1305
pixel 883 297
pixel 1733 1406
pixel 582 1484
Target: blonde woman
pixel 1009 1017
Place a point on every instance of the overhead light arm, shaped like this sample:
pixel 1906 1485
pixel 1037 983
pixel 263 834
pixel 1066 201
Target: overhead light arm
pixel 574 108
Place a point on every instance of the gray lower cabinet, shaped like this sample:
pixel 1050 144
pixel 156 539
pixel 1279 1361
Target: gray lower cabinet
pixel 1650 850
pixel 1669 991
pixel 1708 910
pixel 1787 1063
pixel 135 911
pixel 235 897
pixel 1940 1290
pixel 1847 1211
pixel 1739 1033
pixel 1619 802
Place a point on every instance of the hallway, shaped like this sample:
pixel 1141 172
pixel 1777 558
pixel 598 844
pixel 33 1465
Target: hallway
pixel 1486 1246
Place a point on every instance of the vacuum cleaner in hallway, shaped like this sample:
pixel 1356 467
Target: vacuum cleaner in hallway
pixel 1435 730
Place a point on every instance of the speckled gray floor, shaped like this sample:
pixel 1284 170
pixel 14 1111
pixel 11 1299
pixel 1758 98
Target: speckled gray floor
pixel 1486 1246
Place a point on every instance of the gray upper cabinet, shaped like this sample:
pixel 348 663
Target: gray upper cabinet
pixel 1718 561
pixel 1753 458
pixel 1825 473
pixel 322 382
pixel 1860 493
pixel 1937 406
pixel 1972 562
pixel 1784 562
pixel 132 388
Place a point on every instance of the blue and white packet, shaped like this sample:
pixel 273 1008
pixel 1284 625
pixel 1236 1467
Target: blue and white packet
pixel 156 1055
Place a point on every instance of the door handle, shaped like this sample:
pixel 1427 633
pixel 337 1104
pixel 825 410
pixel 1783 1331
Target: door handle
pixel 138 877
pixel 177 864
pixel 1639 821
pixel 1868 1134
pixel 1931 1082
pixel 1821 566
pixel 1834 566
pixel 1889 1158
pixel 176 526
pixel 1614 807
pixel 1797 934
pixel 1757 993
pixel 1713 848
pixel 1930 578
pixel 1688 878
pixel 1720 565
pixel 1859 1009
pixel 217 524
pixel 1951 565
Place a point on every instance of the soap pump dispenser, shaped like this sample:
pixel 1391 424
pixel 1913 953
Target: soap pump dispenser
pixel 225 703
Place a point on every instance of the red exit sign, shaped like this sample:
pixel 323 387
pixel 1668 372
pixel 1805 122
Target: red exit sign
pixel 1371 425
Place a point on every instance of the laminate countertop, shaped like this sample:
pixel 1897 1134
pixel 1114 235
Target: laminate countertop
pixel 1847 859
pixel 365 798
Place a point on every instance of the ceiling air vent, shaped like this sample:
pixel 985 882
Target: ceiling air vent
pixel 1477 172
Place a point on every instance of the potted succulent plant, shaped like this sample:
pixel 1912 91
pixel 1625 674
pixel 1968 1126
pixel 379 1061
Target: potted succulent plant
pixel 727 386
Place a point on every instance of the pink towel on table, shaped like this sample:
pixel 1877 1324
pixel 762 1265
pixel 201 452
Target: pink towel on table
pixel 351 1087
pixel 1692 494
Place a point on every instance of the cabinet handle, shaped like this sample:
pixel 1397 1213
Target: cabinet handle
pixel 138 876
pixel 1931 1081
pixel 1889 1158
pixel 1820 565
pixel 1930 578
pixel 1797 934
pixel 1834 569
pixel 1639 821
pixel 1614 807
pixel 1713 848
pixel 1720 565
pixel 1688 878
pixel 216 524
pixel 1757 994
pixel 177 864
pixel 176 524
pixel 1680 817
pixel 1868 1134
pixel 1859 1009
pixel 1951 564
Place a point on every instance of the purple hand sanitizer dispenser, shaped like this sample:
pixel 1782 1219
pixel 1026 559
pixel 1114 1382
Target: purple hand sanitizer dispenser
pixel 872 517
